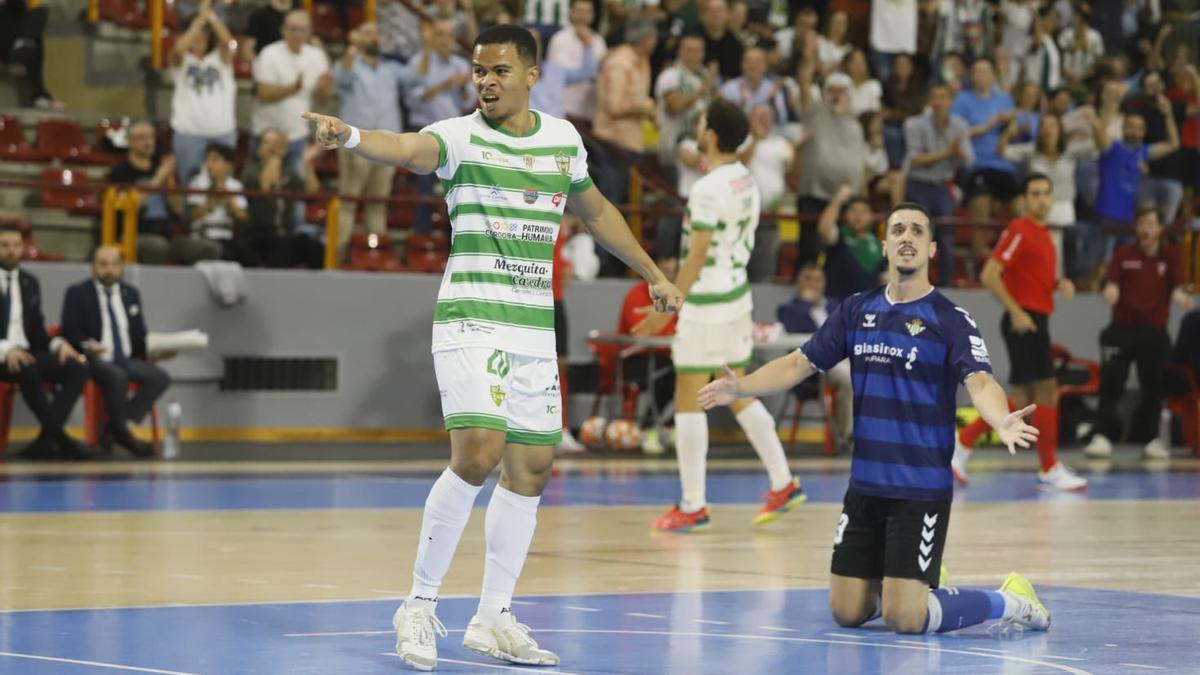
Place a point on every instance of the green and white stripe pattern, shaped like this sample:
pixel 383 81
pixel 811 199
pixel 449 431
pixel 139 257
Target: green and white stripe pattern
pixel 726 202
pixel 506 196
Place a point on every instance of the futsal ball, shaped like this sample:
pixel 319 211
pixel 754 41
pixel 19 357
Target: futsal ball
pixel 623 435
pixel 591 433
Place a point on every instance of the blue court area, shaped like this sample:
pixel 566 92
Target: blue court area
pixel 723 633
pixel 177 492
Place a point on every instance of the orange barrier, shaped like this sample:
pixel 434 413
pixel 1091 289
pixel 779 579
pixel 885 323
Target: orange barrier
pixel 156 33
pixel 93 11
pixel 332 213
pixel 369 10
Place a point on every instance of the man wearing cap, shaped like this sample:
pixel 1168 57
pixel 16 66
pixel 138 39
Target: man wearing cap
pixel 835 154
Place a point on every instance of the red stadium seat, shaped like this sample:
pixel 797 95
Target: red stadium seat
pixel 315 211
pixel 124 12
pixel 62 139
pixel 60 190
pixel 371 253
pixel 326 23
pixel 424 253
pixel 13 146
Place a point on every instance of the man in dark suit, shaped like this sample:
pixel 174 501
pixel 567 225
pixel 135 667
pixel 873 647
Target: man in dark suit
pixel 31 358
pixel 103 318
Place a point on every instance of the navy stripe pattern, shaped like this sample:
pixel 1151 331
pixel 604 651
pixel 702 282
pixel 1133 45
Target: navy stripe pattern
pixel 906 362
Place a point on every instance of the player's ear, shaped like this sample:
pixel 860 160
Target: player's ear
pixel 532 75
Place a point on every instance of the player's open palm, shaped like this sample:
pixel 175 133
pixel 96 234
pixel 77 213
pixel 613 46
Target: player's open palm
pixel 331 132
pixel 720 392
pixel 1013 431
pixel 666 296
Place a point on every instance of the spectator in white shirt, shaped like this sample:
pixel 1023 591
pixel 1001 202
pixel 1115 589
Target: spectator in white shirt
pixel 288 76
pixel 203 103
pixel 566 49
pixel 893 32
pixel 682 92
pixel 1082 48
pixel 770 158
pixel 866 94
pixel 215 217
pixel 832 46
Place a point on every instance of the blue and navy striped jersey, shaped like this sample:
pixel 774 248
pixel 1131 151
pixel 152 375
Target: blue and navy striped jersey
pixel 906 362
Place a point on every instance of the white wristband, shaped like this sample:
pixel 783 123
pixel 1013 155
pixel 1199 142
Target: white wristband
pixel 354 140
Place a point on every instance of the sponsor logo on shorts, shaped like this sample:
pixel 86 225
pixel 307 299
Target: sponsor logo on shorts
pixel 551 410
pixel 498 364
pixel 497 394
pixel 925 557
pixel 915 327
pixel 979 350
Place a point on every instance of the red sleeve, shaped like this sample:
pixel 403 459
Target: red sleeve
pixel 638 296
pixel 1175 270
pixel 1009 247
pixel 1114 266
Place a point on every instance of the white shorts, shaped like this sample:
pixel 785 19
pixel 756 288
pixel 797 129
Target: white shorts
pixel 705 347
pixel 486 388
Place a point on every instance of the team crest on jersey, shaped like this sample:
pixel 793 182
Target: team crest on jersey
pixel 531 195
pixel 557 199
pixel 497 394
pixel 529 162
pixel 868 320
pixel 562 162
pixel 915 327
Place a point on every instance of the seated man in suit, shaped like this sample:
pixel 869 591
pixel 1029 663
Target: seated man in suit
pixel 103 317
pixel 805 312
pixel 31 358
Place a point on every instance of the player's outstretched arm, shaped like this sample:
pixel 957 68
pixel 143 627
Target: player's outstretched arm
pixel 606 224
pixel 782 373
pixel 419 153
pixel 989 399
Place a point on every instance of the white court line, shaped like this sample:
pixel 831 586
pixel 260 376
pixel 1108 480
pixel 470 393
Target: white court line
pixel 1111 644
pixel 118 573
pixel 99 664
pixel 341 634
pixel 189 577
pixel 477 664
pixel 711 622
pixel 580 609
pixel 521 602
pixel 779 629
pixel 48 568
pixel 861 637
pixel 253 581
pixel 387 591
pixel 1044 656
pixel 1139 665
pixel 321 586
pixel 645 616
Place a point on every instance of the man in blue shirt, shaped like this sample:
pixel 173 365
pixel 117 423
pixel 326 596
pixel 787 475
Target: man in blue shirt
pixel 987 111
pixel 369 87
pixel 909 348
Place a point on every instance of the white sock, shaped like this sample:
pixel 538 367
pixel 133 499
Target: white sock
pixel 933 619
pixel 759 426
pixel 508 527
pixel 1012 605
pixel 447 510
pixel 691 449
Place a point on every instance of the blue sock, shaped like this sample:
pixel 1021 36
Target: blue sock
pixel 953 608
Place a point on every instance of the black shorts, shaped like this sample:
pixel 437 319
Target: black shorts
pixel 880 537
pixel 560 329
pixel 999 184
pixel 1028 353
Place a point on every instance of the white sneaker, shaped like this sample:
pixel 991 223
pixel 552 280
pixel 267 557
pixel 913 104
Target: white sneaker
pixel 417 629
pixel 1156 449
pixel 1030 612
pixel 958 465
pixel 1061 477
pixel 569 443
pixel 508 641
pixel 1099 447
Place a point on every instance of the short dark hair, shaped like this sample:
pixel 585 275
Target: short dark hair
pixel 508 33
pixel 10 226
pixel 728 121
pixel 224 151
pixel 855 199
pixel 912 206
pixel 1033 178
pixel 1146 209
pixel 811 265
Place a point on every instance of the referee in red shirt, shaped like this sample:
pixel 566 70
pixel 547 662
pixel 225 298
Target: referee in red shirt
pixel 1021 275
pixel 1141 282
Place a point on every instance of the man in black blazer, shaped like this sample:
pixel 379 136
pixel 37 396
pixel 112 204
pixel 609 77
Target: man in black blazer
pixel 103 318
pixel 31 358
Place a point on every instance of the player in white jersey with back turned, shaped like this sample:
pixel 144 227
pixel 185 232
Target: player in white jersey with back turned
pixel 715 329
pixel 507 173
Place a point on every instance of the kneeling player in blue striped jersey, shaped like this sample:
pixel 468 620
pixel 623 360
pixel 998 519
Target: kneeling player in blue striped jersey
pixel 909 348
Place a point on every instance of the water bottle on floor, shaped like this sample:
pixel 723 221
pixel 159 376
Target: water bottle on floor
pixel 174 422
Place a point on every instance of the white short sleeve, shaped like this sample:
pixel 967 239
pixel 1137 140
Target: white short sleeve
pixel 580 180
pixel 451 137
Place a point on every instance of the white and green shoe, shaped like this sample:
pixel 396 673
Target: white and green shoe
pixel 507 640
pixel 1031 613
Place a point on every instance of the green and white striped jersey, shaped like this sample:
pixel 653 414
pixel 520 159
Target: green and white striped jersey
pixel 506 196
pixel 725 201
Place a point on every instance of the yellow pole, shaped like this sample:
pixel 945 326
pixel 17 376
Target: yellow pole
pixel 636 223
pixel 156 31
pixel 368 10
pixel 93 14
pixel 33 4
pixel 108 217
pixel 306 5
pixel 133 200
pixel 331 232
